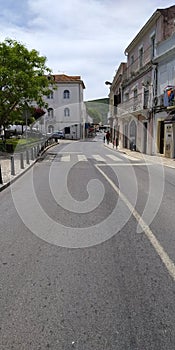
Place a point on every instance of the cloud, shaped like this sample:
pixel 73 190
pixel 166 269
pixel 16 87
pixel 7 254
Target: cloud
pixel 87 38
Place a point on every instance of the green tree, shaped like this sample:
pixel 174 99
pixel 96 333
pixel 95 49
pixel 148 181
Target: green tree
pixel 24 79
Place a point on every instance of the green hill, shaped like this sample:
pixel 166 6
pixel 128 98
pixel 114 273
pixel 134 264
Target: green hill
pixel 98 109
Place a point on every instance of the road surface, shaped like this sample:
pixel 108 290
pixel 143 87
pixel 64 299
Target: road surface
pixel 87 253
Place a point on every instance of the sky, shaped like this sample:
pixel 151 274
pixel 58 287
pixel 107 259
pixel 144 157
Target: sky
pixel 86 38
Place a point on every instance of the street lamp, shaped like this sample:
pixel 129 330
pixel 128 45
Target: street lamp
pixel 108 83
pixel 110 114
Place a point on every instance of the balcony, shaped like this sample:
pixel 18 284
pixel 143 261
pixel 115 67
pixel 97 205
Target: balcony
pixel 133 106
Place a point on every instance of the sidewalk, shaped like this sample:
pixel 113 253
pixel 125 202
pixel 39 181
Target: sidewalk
pixel 7 167
pixel 145 157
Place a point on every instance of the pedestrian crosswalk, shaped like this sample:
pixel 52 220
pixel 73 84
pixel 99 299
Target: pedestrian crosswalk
pixel 75 157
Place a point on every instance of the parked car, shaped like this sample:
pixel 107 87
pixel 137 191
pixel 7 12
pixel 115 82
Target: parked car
pixel 57 135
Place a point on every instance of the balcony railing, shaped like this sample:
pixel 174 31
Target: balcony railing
pixel 133 105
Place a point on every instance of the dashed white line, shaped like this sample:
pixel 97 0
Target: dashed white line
pixel 126 164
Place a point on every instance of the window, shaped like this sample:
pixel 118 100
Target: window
pixel 66 112
pixel 66 94
pixel 67 130
pixel 50 112
pixel 132 59
pixel 141 57
pixel 153 46
pixel 50 129
pixel 126 96
pixel 135 93
pixel 133 129
pixel 117 99
pixel 145 97
pixel 50 96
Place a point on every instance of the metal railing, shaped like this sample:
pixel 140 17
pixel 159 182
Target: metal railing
pixel 14 163
pixel 134 104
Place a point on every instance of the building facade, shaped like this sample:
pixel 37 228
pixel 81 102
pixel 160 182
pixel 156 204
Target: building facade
pixel 164 103
pixel 66 110
pixel 115 97
pixel 135 112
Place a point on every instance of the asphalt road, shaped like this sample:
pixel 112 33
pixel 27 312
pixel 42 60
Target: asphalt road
pixel 87 253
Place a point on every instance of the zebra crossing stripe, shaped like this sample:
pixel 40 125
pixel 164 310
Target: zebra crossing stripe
pixel 111 156
pixel 98 158
pixel 81 157
pixel 65 158
pixel 130 157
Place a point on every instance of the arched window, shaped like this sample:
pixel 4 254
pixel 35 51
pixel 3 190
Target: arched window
pixel 133 135
pixel 50 129
pixel 133 129
pixel 66 112
pixel 66 94
pixel 50 112
pixel 50 96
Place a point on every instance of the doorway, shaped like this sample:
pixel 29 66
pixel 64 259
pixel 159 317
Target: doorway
pixel 145 125
pixel 125 136
pixel 161 140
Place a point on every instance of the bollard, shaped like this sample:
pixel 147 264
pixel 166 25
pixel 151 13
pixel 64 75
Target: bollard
pixel 21 161
pixel 38 150
pixel 32 157
pixel 35 152
pixel 12 165
pixel 1 181
pixel 27 157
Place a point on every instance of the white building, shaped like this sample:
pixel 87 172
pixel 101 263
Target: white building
pixel 164 126
pixel 66 109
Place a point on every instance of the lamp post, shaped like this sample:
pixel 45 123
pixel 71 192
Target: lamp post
pixel 110 114
pixel 108 83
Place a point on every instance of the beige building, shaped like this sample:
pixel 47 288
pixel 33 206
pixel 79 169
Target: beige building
pixel 135 113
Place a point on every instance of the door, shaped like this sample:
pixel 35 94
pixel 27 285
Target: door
pixel 145 137
pixel 125 136
pixel 161 143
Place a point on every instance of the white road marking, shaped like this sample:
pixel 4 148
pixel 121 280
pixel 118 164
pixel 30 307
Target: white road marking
pixel 149 234
pixel 126 164
pixel 65 158
pixel 111 156
pixel 98 158
pixel 130 157
pixel 81 157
